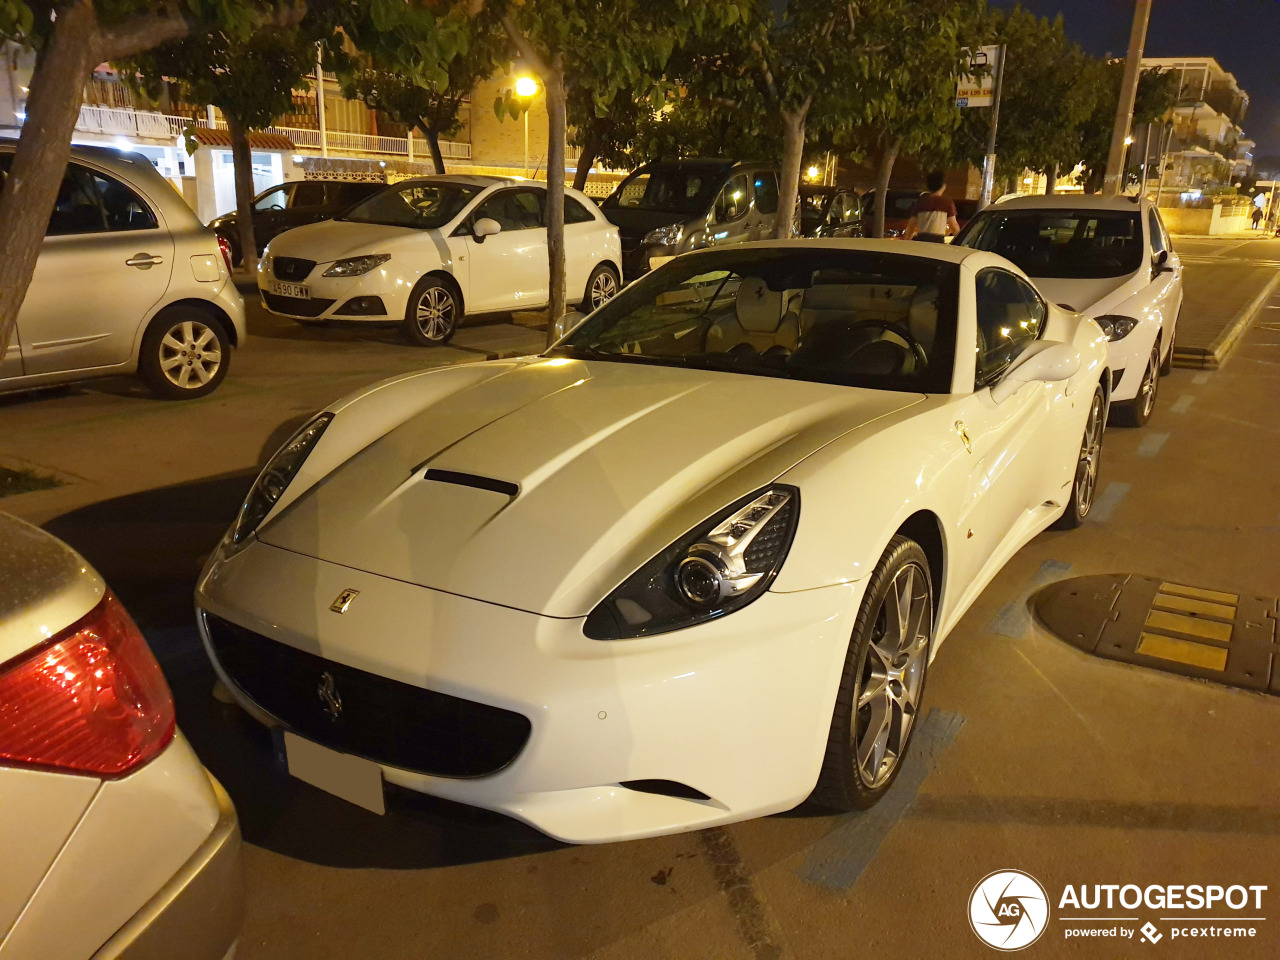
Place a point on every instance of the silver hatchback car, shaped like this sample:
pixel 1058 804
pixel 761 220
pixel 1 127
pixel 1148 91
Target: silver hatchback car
pixel 128 281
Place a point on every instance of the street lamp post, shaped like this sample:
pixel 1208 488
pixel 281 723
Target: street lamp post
pixel 526 88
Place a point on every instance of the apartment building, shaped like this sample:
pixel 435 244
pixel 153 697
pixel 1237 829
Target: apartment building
pixel 1208 147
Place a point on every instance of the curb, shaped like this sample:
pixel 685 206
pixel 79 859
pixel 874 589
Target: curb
pixel 1211 357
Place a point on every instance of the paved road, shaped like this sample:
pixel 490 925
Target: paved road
pixel 1074 769
pixel 1222 276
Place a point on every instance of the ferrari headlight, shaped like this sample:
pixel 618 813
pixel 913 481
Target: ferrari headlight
pixel 274 479
pixel 718 567
pixel 667 236
pixel 1115 326
pixel 356 266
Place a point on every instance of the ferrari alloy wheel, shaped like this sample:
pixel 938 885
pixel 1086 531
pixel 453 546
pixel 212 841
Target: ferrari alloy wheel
pixel 1085 484
pixel 601 286
pixel 1137 411
pixel 184 354
pixel 883 681
pixel 433 313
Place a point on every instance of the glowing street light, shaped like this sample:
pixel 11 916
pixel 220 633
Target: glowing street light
pixel 526 89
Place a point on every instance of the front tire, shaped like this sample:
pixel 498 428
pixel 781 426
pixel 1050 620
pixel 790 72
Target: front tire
pixel 882 684
pixel 602 286
pixel 1136 412
pixel 431 317
pixel 1085 484
pixel 185 354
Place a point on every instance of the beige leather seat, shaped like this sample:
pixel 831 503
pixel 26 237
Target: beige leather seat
pixel 762 319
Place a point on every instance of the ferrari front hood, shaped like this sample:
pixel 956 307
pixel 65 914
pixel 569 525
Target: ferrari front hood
pixel 545 486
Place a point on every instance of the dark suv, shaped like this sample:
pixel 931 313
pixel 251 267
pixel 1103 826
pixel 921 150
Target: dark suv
pixel 289 205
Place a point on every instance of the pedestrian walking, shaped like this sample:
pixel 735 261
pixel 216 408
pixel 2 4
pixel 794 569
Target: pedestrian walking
pixel 1257 217
pixel 934 216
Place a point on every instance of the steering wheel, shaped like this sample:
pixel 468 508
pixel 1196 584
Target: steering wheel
pixel 917 351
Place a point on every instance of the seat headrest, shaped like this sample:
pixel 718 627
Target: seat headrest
pixel 759 308
pixel 922 315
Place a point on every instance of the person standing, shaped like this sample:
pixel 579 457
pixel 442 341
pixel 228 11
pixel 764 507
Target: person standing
pixel 934 216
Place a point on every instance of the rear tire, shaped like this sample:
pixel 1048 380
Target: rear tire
pixel 432 314
pixel 1136 412
pixel 1085 484
pixel 185 354
pixel 881 688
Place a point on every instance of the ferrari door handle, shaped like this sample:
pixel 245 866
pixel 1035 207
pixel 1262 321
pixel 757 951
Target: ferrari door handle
pixel 143 261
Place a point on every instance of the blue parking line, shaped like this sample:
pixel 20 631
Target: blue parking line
pixel 1151 444
pixel 838 859
pixel 1107 501
pixel 1014 618
pixel 1182 403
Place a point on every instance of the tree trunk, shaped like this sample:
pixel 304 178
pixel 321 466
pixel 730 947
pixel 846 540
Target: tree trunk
pixel 792 157
pixel 433 143
pixel 242 159
pixel 1051 181
pixel 556 107
pixel 887 157
pixel 589 150
pixel 57 89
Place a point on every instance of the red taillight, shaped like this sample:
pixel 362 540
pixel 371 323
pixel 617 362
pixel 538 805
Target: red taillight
pixel 225 246
pixel 91 700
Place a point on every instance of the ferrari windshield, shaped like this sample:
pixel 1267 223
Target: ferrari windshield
pixel 1077 244
pixel 413 203
pixel 882 320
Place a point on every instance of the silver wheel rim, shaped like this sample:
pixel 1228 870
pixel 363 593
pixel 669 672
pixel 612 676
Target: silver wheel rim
pixel 891 676
pixel 190 354
pixel 1090 453
pixel 1150 382
pixel 603 287
pixel 434 313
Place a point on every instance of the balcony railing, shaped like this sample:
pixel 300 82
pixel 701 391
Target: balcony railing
pixel 338 141
pixel 122 122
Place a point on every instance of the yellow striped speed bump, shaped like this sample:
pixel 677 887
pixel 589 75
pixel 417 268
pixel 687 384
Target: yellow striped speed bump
pixel 1197 632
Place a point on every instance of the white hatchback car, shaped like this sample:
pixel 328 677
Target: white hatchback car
pixel 1108 258
pixel 116 841
pixel 425 251
pixel 128 280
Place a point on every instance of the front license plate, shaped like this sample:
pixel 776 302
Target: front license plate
pixel 354 779
pixel 298 290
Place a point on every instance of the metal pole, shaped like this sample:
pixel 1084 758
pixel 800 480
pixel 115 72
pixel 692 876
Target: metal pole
pixel 409 138
pixel 1164 149
pixel 1146 158
pixel 1114 180
pixel 526 141
pixel 989 163
pixel 324 139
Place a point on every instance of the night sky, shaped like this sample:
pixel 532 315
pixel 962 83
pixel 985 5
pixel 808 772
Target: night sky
pixel 1244 36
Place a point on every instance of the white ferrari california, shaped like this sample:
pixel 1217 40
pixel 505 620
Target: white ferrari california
pixel 688 566
pixel 1108 258
pixel 422 252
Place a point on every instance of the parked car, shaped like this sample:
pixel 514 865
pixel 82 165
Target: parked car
pixel 671 206
pixel 1108 258
pixel 897 213
pixel 829 211
pixel 128 281
pixel 117 842
pixel 685 568
pixel 426 251
pixel 289 205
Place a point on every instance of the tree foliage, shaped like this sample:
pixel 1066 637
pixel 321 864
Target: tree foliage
pixel 1157 93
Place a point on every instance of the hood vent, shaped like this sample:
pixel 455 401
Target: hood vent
pixel 471 480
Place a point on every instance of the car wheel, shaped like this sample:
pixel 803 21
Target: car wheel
pixel 432 314
pixel 185 354
pixel 1136 412
pixel 602 286
pixel 882 683
pixel 1086 480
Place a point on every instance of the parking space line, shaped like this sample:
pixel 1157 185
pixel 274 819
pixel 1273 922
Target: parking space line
pixel 1014 618
pixel 1200 379
pixel 1151 444
pixel 838 859
pixel 1108 500
pixel 1182 404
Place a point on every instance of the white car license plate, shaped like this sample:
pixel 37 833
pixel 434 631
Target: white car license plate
pixel 354 779
pixel 298 290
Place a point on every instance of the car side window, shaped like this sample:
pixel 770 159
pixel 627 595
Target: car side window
pixel 513 209
pixel 1010 315
pixel 766 187
pixel 308 193
pixel 78 208
pixel 733 200
pixel 276 199
pixel 125 210
pixel 574 212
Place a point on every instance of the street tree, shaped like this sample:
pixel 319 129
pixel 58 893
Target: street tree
pixel 1156 95
pixel 70 38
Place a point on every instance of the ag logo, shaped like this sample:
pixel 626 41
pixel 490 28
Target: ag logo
pixel 1008 910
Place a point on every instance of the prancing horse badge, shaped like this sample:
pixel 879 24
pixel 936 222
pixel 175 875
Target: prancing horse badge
pixel 344 600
